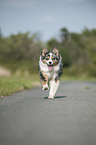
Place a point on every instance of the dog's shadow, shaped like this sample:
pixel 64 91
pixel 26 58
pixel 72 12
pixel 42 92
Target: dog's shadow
pixel 56 97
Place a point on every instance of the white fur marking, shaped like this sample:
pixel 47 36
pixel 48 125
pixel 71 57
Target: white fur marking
pixel 53 88
pixel 45 87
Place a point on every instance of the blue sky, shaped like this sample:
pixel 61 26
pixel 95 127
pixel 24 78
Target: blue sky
pixel 46 16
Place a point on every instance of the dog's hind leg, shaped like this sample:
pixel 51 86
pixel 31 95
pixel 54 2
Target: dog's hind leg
pixel 53 88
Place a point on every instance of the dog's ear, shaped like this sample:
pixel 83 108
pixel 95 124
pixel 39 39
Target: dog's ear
pixel 44 51
pixel 56 51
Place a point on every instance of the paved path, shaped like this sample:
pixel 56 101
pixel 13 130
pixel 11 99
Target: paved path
pixel 29 118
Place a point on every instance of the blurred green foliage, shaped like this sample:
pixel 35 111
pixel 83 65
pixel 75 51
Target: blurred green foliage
pixel 21 52
pixel 78 51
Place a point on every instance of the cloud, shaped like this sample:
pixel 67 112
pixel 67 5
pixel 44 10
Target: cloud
pixel 46 18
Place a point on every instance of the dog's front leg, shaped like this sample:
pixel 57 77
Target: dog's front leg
pixel 44 81
pixel 53 88
pixel 45 85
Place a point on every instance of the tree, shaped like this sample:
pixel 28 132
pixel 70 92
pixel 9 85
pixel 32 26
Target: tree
pixel 0 33
pixel 52 43
pixel 64 34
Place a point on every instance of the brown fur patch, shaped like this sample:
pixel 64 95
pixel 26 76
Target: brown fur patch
pixel 44 51
pixel 56 51
pixel 55 62
pixel 44 81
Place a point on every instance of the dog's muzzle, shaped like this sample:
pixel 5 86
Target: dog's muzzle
pixel 50 66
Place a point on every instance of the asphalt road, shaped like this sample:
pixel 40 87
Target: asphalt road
pixel 29 118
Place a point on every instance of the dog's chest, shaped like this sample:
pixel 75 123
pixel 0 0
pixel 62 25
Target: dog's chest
pixel 50 74
pixel 47 72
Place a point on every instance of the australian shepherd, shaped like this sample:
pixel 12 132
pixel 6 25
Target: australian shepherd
pixel 50 70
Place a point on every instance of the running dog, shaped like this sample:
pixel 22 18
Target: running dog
pixel 50 70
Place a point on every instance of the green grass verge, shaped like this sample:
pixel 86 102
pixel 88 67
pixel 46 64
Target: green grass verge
pixel 10 85
pixel 79 78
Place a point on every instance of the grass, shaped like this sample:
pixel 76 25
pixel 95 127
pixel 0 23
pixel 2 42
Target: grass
pixel 13 84
pixel 78 78
pixel 87 87
pixel 10 85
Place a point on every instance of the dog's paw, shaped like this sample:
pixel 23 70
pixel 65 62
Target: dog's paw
pixel 45 87
pixel 50 97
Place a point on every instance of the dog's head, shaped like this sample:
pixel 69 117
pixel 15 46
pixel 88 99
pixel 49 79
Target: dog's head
pixel 50 58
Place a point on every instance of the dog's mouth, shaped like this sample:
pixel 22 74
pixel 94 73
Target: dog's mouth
pixel 50 67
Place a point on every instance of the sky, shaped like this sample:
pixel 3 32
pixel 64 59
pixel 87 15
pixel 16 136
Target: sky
pixel 46 17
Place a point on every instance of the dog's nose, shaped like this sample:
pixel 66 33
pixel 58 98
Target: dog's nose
pixel 50 62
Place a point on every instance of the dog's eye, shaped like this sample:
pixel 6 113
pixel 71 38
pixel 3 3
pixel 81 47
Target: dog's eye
pixel 47 58
pixel 53 58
